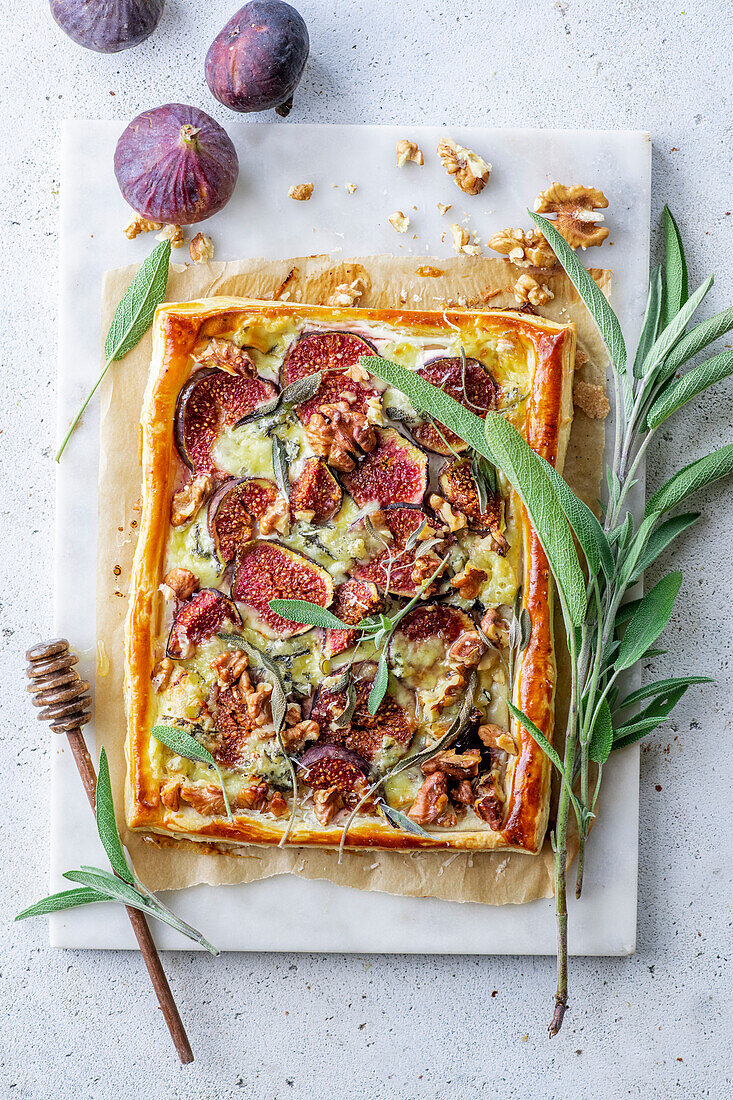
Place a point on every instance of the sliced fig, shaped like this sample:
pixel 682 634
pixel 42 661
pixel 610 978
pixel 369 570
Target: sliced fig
pixel 365 733
pixel 232 510
pixel 421 642
pixel 210 401
pixel 332 353
pixel 475 388
pixel 392 567
pixel 199 619
pixel 330 765
pixel 396 472
pixel 353 601
pixel 267 571
pixel 316 490
pixel 458 486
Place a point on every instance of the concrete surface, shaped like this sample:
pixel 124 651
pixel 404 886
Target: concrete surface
pixel 301 1027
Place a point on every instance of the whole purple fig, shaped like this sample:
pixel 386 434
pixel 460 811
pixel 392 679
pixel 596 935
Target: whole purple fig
pixel 176 164
pixel 107 26
pixel 256 61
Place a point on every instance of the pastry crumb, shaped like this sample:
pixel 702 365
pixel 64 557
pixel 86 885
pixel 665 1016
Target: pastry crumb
pixel 347 294
pixel 444 207
pixel 351 188
pixel 399 221
pixel 591 399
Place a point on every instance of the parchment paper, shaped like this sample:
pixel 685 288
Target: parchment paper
pixel 164 864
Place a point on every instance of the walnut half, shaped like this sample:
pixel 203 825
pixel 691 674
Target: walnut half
pixel 577 213
pixel 469 170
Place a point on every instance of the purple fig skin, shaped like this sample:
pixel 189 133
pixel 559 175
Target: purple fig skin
pixel 176 164
pixel 256 60
pixel 107 26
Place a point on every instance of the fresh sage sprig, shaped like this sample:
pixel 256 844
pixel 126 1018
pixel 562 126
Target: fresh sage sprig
pixel 179 741
pixel 132 319
pixel 604 637
pixel 97 884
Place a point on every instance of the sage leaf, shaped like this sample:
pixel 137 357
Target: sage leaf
pixel 302 389
pixel 593 297
pixel 696 339
pixel 652 317
pixel 379 687
pixel 661 688
pixel 691 478
pixel 648 621
pixel 675 269
pixel 182 743
pixel 414 536
pixel 632 555
pixel 690 385
pixel 280 466
pixel 538 736
pixel 674 330
pixel 601 738
pixel 132 319
pixel 588 531
pixel 307 613
pixel 342 720
pixel 660 539
pixel 398 820
pixel 525 629
pixel 66 899
pixel 107 823
pixel 528 475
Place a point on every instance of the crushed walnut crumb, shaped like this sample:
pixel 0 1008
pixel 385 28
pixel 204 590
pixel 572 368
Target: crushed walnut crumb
pixel 470 172
pixel 162 673
pixel 591 399
pixel 399 221
pixel 577 213
pixel 408 150
pixel 444 207
pixel 172 233
pixel 347 294
pixel 201 248
pixel 301 192
pixel 351 188
pixel 139 225
pixel 527 289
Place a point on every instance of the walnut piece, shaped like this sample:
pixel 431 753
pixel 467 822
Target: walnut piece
pixel 188 500
pixel 347 294
pixel 181 583
pixel 444 207
pixel 424 568
pixel 351 188
pixel 451 517
pixel 227 357
pixel 470 172
pixel 431 800
pixel 408 150
pixel 139 225
pixel 327 802
pixel 295 737
pixel 487 803
pixel 469 581
pixel 230 667
pixel 458 765
pixel 172 233
pixel 495 628
pixel 276 517
pixel 591 399
pixel 399 221
pixel 162 674
pixel 170 793
pixel 494 737
pixel 201 248
pixel 577 213
pixel 301 192
pixel 467 650
pixel 523 249
pixel 527 289
pixel 340 435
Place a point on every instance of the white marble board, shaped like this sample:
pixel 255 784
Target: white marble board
pixel 290 913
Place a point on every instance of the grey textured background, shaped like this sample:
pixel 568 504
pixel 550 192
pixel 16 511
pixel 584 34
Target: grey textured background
pixel 300 1027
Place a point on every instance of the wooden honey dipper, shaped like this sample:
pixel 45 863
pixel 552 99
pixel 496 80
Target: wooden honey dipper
pixel 66 700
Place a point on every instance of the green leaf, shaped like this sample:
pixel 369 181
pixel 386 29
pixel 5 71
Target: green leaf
pixel 648 720
pixel 178 741
pixel 674 330
pixel 401 821
pixel 307 613
pixel 660 688
pixel 651 320
pixel 599 309
pixel 538 736
pixel 691 478
pixel 528 475
pixel 601 738
pixel 280 466
pixel 629 559
pixel 379 687
pixel 696 339
pixel 120 891
pixel 107 823
pixel 132 319
pixel 675 273
pixel 690 385
pixel 67 899
pixel 588 530
pixel 659 540
pixel 648 621
pixel 625 612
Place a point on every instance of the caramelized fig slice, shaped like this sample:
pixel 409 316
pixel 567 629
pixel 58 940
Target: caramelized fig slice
pixel 458 486
pixel 396 472
pixel 476 388
pixel 332 353
pixel 316 490
pixel 392 567
pixel 267 571
pixel 210 401
pixel 421 642
pixel 365 734
pixel 199 619
pixel 330 765
pixel 234 508
pixel 353 601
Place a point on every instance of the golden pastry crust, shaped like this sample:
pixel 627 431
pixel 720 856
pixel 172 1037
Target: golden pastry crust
pixel 547 355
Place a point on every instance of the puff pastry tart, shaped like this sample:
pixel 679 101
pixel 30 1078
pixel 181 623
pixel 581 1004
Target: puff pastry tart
pixel 260 483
